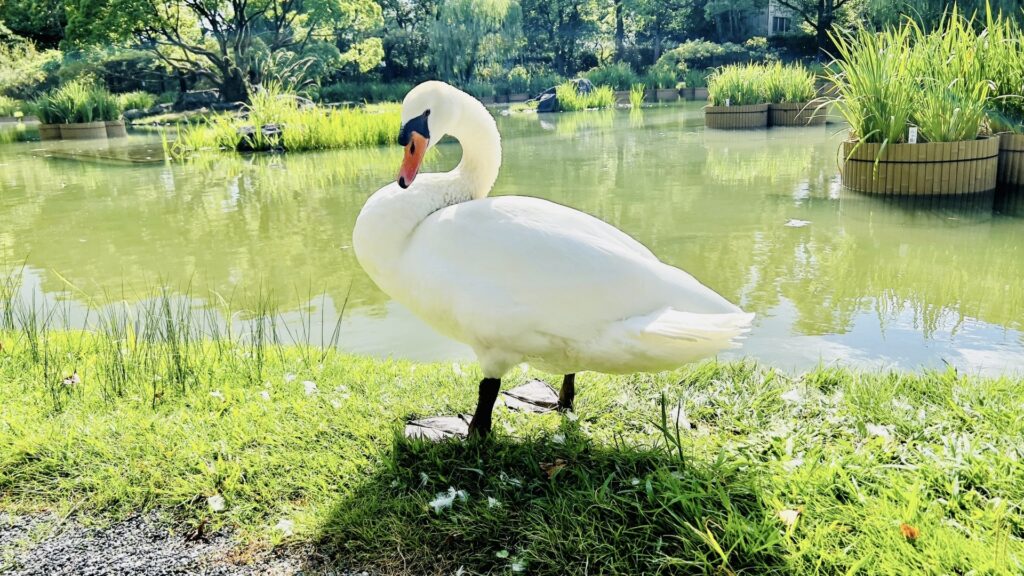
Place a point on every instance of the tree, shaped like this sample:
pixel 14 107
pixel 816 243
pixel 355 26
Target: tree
pixel 820 15
pixel 228 42
pixel 464 28
pixel 732 17
pixel 41 21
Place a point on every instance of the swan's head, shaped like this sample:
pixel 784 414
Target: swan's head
pixel 428 113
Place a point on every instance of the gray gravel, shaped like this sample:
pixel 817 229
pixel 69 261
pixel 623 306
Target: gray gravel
pixel 42 545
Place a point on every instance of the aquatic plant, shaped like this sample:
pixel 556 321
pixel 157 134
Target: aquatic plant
pixel 636 95
pixel 620 76
pixel 279 120
pixel 10 106
pixel 137 100
pixel 940 81
pixel 107 106
pixel 74 102
pixel 737 85
pixel 570 99
pixel 791 83
pixel 43 108
pixel 1003 64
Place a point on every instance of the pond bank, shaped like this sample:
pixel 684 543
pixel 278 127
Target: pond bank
pixel 728 467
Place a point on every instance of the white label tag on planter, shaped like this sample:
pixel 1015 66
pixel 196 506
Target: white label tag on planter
pixel 726 101
pixel 912 137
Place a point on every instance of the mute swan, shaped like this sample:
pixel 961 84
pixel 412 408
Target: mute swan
pixel 521 279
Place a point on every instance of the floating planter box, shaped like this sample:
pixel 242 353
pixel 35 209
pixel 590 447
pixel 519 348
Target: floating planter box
pixel 83 131
pixel 115 128
pixel 736 117
pixel 667 94
pixel 796 114
pixel 49 131
pixel 930 169
pixel 1011 159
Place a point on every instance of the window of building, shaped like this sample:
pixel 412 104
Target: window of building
pixel 780 24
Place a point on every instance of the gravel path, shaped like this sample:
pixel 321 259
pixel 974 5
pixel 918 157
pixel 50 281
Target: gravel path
pixel 41 545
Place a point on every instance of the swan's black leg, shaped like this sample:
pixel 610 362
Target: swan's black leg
pixel 568 392
pixel 481 423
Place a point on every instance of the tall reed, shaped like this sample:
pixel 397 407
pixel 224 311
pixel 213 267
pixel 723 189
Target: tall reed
pixel 571 100
pixel 737 85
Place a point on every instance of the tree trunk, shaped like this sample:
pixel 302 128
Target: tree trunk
pixel 233 87
pixel 620 31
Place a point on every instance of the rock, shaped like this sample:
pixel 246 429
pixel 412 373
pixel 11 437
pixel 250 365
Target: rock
pixel 159 109
pixel 133 114
pixel 194 99
pixel 227 106
pixel 271 138
pixel 547 101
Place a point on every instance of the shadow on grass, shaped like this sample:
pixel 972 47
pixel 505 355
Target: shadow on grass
pixel 553 504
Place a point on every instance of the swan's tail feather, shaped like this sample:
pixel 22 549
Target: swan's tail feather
pixel 720 329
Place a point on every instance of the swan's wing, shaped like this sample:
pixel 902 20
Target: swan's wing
pixel 529 265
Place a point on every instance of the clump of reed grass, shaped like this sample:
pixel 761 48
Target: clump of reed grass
pixel 946 81
pixel 1003 65
pixel 571 100
pixel 791 83
pixel 636 95
pixel 737 85
pixel 300 125
pixel 137 100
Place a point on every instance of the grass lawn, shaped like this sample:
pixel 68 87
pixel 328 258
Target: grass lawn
pixel 716 469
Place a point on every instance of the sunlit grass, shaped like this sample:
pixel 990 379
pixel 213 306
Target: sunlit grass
pixel 636 95
pixel 792 83
pixel 713 469
pixel 737 85
pixel 572 100
pixel 298 126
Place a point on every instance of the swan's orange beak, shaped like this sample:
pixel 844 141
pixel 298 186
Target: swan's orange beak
pixel 414 152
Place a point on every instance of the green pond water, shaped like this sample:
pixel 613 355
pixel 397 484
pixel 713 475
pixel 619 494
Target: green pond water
pixel 863 282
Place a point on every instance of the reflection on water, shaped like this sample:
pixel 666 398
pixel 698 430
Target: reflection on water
pixel 868 282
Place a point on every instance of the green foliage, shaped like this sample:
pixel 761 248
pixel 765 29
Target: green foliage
pixel 1003 65
pixel 26 71
pixel 662 76
pixel 303 127
pixel 788 83
pixel 137 100
pixel 939 81
pixel 619 76
pixel 469 32
pixel 479 89
pixel 10 106
pixel 43 108
pixel 363 92
pixel 571 100
pixel 740 85
pixel 695 79
pixel 74 102
pixel 107 106
pixel 542 79
pixel 702 54
pixel 518 80
pixel 636 95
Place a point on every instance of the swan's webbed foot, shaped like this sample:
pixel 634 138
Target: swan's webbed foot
pixel 480 426
pixel 567 394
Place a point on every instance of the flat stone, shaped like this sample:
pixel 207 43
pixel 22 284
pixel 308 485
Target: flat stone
pixel 535 396
pixel 436 428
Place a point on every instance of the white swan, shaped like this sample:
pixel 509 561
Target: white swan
pixel 524 279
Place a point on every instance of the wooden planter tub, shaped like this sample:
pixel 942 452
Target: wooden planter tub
pixel 667 94
pixel 115 128
pixel 736 117
pixel 930 169
pixel 49 131
pixel 83 131
pixel 796 114
pixel 518 97
pixel 1011 160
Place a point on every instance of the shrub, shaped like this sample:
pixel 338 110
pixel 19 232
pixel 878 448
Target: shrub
pixel 542 79
pixel 169 97
pixel 137 100
pixel 701 54
pixel 26 71
pixel 570 99
pixel 664 75
pixel 106 105
pixel 479 89
pixel 518 80
pixel 788 83
pixel 695 79
pixel 737 85
pixel 10 106
pixel 363 92
pixel 619 76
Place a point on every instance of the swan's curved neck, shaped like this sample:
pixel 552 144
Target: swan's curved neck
pixel 481 148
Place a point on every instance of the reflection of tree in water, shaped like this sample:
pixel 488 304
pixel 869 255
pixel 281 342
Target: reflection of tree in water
pixel 281 222
pixel 285 222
